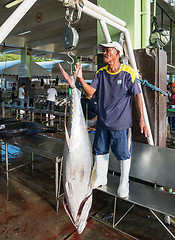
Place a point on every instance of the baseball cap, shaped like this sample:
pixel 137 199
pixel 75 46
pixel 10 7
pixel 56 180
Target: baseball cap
pixel 115 45
pixel 173 84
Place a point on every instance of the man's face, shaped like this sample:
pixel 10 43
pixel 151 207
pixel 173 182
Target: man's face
pixel 110 54
pixel 173 89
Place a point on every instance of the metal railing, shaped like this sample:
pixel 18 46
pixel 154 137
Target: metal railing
pixel 33 114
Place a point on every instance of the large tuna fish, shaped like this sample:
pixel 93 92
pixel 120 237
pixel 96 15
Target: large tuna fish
pixel 77 162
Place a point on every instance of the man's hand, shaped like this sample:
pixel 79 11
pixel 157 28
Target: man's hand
pixel 143 128
pixel 78 71
pixel 87 88
pixel 139 106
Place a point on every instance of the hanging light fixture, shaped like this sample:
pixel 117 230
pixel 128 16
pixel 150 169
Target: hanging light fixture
pixel 13 3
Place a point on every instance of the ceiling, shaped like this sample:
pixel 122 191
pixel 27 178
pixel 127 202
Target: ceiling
pixel 46 21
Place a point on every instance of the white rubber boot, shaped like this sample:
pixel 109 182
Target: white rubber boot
pixel 100 170
pixel 123 189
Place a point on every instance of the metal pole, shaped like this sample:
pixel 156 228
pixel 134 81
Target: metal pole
pixel 3 110
pixel 161 18
pixel 114 213
pixel 103 12
pixel 32 160
pixel 16 113
pixel 162 223
pixel 14 18
pixel 154 14
pixel 105 31
pixel 6 159
pixel 56 183
pixel 33 116
pixel 171 42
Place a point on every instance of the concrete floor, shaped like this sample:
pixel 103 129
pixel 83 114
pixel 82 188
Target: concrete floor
pixel 27 212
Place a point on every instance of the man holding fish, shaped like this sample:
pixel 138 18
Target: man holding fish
pixel 117 85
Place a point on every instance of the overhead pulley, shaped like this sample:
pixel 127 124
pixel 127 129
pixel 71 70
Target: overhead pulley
pixel 70 37
pixel 73 9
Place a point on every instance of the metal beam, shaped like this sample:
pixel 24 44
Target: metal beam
pixel 14 18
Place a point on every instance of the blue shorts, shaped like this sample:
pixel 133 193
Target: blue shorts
pixel 120 142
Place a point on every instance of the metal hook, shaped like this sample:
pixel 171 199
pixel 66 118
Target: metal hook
pixel 70 54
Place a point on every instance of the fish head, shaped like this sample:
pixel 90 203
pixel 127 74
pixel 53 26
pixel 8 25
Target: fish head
pixel 77 203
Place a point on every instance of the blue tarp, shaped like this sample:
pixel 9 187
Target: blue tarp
pixel 48 64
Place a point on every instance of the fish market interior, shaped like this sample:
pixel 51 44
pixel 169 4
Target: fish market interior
pixel 87 119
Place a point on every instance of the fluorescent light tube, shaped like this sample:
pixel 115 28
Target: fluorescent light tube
pixel 11 4
pixel 24 33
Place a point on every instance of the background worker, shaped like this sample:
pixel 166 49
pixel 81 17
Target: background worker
pixel 21 95
pixel 172 97
pixel 1 99
pixel 117 85
pixel 171 120
pixel 32 96
pixel 51 98
pixel 14 93
pixel 56 81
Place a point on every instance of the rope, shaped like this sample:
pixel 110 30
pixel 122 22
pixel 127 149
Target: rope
pixel 147 84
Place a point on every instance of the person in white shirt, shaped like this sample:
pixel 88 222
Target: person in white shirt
pixel 51 98
pixel 21 95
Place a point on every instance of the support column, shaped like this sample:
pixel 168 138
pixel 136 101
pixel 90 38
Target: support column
pixel 24 71
pixel 146 21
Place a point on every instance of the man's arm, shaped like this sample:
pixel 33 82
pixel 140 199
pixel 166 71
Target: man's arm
pixel 139 106
pixel 87 88
pixel 35 95
pixel 23 93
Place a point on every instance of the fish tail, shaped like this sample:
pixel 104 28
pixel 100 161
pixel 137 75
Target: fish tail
pixel 66 76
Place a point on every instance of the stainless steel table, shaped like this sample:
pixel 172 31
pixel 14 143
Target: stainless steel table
pixel 50 148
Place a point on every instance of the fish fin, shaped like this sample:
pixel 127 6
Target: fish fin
pixel 66 76
pixel 82 218
pixel 67 210
pixel 93 175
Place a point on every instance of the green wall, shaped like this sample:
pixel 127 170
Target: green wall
pixel 26 59
pixel 127 10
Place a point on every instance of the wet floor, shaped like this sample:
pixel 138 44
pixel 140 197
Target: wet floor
pixel 27 208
